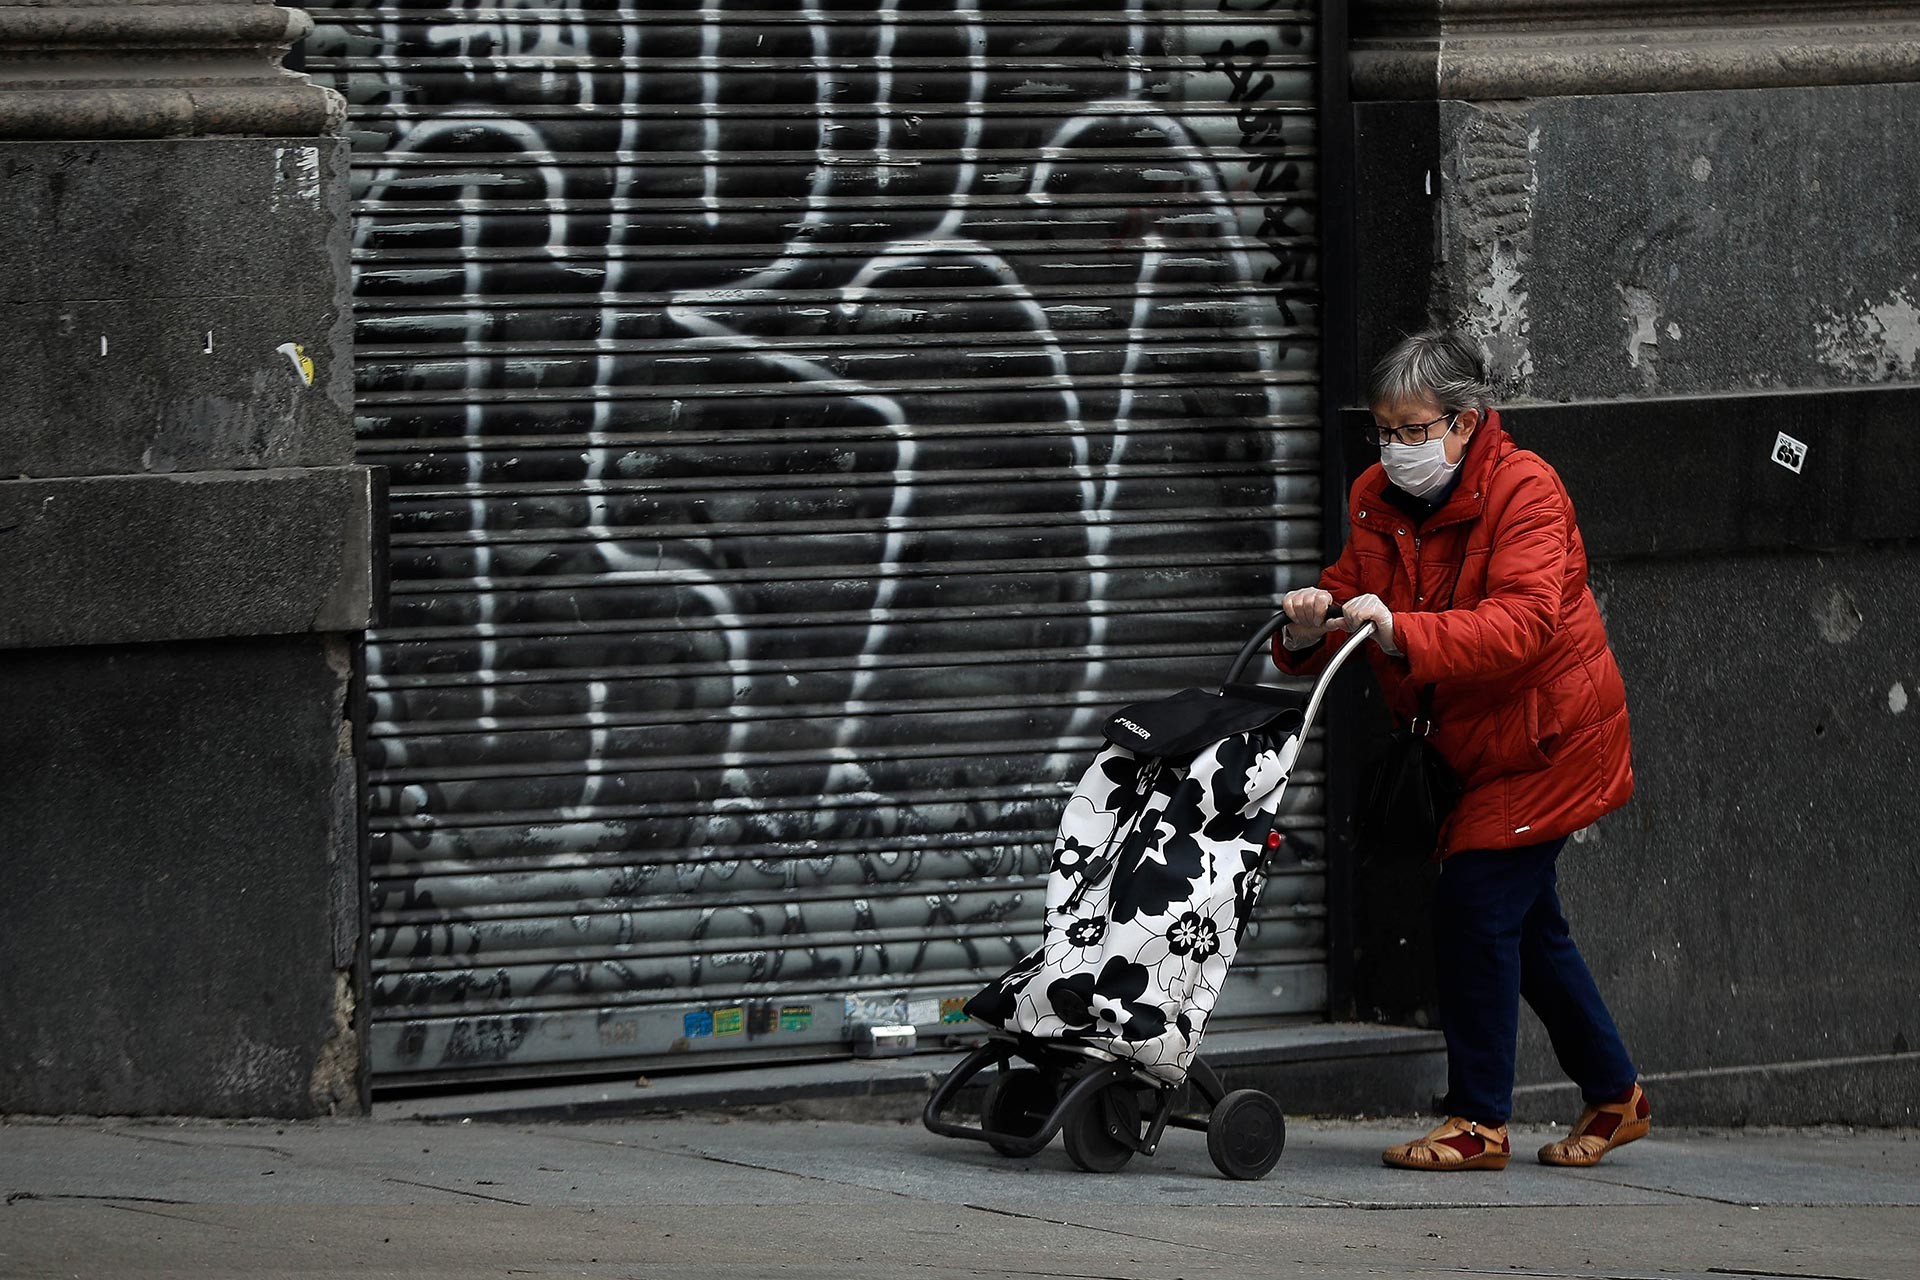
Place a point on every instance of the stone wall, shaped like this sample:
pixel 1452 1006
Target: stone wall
pixel 186 551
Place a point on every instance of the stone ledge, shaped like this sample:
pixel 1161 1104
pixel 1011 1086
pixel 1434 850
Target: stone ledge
pixel 121 70
pixel 1486 50
pixel 1424 17
pixel 296 111
pixel 192 25
pixel 195 555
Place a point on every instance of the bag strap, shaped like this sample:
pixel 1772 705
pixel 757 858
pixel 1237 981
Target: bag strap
pixel 1422 725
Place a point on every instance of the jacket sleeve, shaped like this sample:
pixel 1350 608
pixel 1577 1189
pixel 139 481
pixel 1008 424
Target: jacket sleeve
pixel 1532 537
pixel 1340 580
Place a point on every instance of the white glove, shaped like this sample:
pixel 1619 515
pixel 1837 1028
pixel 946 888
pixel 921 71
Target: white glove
pixel 1306 611
pixel 1361 610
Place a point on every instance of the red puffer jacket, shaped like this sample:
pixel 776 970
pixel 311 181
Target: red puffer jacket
pixel 1491 605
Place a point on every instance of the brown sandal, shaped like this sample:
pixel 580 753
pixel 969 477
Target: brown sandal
pixel 1457 1145
pixel 1600 1128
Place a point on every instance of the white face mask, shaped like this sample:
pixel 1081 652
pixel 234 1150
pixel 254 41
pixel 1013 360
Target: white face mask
pixel 1420 469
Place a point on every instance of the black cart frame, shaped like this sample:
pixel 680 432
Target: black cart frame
pixel 1092 1098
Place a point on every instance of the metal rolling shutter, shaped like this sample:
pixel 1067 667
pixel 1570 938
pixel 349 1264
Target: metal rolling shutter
pixel 805 422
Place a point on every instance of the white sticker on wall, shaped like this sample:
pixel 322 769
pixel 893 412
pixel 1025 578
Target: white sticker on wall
pixel 1789 453
pixel 923 1013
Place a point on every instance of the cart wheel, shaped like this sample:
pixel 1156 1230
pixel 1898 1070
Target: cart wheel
pixel 1094 1135
pixel 1016 1104
pixel 1245 1134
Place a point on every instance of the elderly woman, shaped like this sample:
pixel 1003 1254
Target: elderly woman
pixel 1463 552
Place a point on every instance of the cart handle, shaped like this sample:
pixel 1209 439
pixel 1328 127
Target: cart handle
pixel 1258 644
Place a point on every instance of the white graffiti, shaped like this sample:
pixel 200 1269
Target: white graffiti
pixel 595 248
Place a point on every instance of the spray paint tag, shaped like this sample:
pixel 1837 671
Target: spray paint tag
pixel 1789 453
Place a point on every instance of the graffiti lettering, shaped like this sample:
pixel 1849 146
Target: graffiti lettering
pixel 1242 78
pixel 805 424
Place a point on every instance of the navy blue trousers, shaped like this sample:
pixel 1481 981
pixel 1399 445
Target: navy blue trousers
pixel 1500 935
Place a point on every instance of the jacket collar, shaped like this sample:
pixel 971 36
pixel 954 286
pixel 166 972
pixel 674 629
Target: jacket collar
pixel 1489 445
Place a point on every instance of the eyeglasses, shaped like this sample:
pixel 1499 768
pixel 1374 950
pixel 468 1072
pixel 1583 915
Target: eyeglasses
pixel 1416 433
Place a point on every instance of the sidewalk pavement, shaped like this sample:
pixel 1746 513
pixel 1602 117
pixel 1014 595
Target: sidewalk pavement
pixel 759 1195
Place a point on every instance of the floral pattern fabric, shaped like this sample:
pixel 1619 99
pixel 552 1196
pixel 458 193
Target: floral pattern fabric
pixel 1156 870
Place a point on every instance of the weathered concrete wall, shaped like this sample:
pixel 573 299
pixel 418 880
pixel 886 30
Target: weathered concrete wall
pixel 1659 244
pixel 1665 281
pixel 187 553
pixel 179 877
pixel 168 275
pixel 1752 909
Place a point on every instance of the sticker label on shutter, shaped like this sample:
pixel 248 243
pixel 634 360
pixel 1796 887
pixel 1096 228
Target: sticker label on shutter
pixel 879 1010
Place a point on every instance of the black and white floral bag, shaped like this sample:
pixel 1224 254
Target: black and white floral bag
pixel 1156 871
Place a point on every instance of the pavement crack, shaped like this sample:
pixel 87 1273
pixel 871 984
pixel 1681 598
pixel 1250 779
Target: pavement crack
pixel 1749 1273
pixel 1004 1271
pixel 1666 1191
pixel 695 1153
pixel 619 1144
pixel 1320 1202
pixel 14 1196
pixel 133 1136
pixel 459 1191
pixel 1446 1206
pixel 1749 1204
pixel 698 1154
pixel 176 1217
pixel 1083 1226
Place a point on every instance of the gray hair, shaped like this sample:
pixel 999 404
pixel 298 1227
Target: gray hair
pixel 1437 362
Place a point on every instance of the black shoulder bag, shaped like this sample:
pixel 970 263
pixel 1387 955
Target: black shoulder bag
pixel 1409 792
pixel 1410 788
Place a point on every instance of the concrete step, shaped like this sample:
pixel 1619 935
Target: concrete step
pixel 1325 1069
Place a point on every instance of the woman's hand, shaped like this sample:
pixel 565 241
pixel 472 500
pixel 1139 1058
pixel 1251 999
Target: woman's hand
pixel 1360 610
pixel 1306 611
